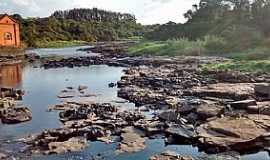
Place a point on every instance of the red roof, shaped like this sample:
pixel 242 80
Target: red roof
pixel 6 15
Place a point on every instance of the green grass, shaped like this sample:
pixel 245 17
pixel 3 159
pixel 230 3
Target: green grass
pixel 262 66
pixel 170 48
pixel 260 53
pixel 59 44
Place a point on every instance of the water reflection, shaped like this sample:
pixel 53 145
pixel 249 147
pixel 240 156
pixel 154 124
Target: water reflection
pixel 11 75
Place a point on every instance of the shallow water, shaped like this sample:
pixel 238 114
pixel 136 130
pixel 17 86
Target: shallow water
pixel 65 52
pixel 42 87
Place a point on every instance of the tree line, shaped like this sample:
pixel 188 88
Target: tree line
pixel 79 24
pixel 240 23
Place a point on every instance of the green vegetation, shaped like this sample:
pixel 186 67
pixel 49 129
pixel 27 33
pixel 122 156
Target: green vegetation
pixel 237 29
pixel 209 45
pixel 262 66
pixel 170 47
pixel 88 25
pixel 226 26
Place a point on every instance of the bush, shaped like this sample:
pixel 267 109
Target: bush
pixel 171 48
pixel 259 53
pixel 241 37
pixel 214 45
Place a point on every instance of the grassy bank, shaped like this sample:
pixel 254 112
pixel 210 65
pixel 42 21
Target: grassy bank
pixel 262 66
pixel 59 44
pixel 251 60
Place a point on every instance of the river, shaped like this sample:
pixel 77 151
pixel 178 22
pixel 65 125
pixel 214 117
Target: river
pixel 42 87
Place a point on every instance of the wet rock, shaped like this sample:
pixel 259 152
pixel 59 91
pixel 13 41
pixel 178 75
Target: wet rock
pixel 169 155
pixel 130 116
pixel 11 93
pixel 222 156
pixel 260 108
pixel 243 104
pixel 181 131
pixel 263 90
pixel 150 126
pixel 107 140
pixel 208 111
pixel 81 88
pixel 67 94
pixel 112 85
pixel 83 110
pixel 170 115
pixel 71 145
pixel 16 115
pixel 3 156
pixel 5 105
pixel 49 140
pixel 131 141
pixel 229 133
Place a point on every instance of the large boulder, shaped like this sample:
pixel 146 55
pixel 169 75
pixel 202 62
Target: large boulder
pixel 208 111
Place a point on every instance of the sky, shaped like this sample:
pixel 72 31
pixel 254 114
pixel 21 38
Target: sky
pixel 146 11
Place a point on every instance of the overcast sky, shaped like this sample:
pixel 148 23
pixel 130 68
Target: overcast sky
pixel 146 11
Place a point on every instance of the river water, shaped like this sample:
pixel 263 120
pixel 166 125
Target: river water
pixel 42 87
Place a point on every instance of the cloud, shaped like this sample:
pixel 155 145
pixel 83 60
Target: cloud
pixel 146 11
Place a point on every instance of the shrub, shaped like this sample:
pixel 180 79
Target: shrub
pixel 214 45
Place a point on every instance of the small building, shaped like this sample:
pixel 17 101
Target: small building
pixel 9 32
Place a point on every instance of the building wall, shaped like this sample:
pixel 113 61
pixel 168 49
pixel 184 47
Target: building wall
pixel 9 26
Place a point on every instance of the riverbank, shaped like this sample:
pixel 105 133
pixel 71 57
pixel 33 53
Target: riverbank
pixel 251 60
pixel 59 44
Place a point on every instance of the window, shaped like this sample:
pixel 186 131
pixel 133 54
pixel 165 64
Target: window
pixel 8 36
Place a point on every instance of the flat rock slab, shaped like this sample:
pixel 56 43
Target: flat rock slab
pixel 230 132
pixel 169 155
pixel 243 104
pixel 131 141
pixel 208 111
pixel 72 145
pixel 236 91
pixel 181 131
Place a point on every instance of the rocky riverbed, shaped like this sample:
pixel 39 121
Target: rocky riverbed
pixel 216 111
pixel 221 112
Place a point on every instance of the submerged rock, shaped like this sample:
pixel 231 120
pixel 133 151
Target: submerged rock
pixel 169 155
pixel 71 145
pixel 81 88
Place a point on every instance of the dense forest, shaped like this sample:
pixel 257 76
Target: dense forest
pixel 237 24
pixel 79 24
